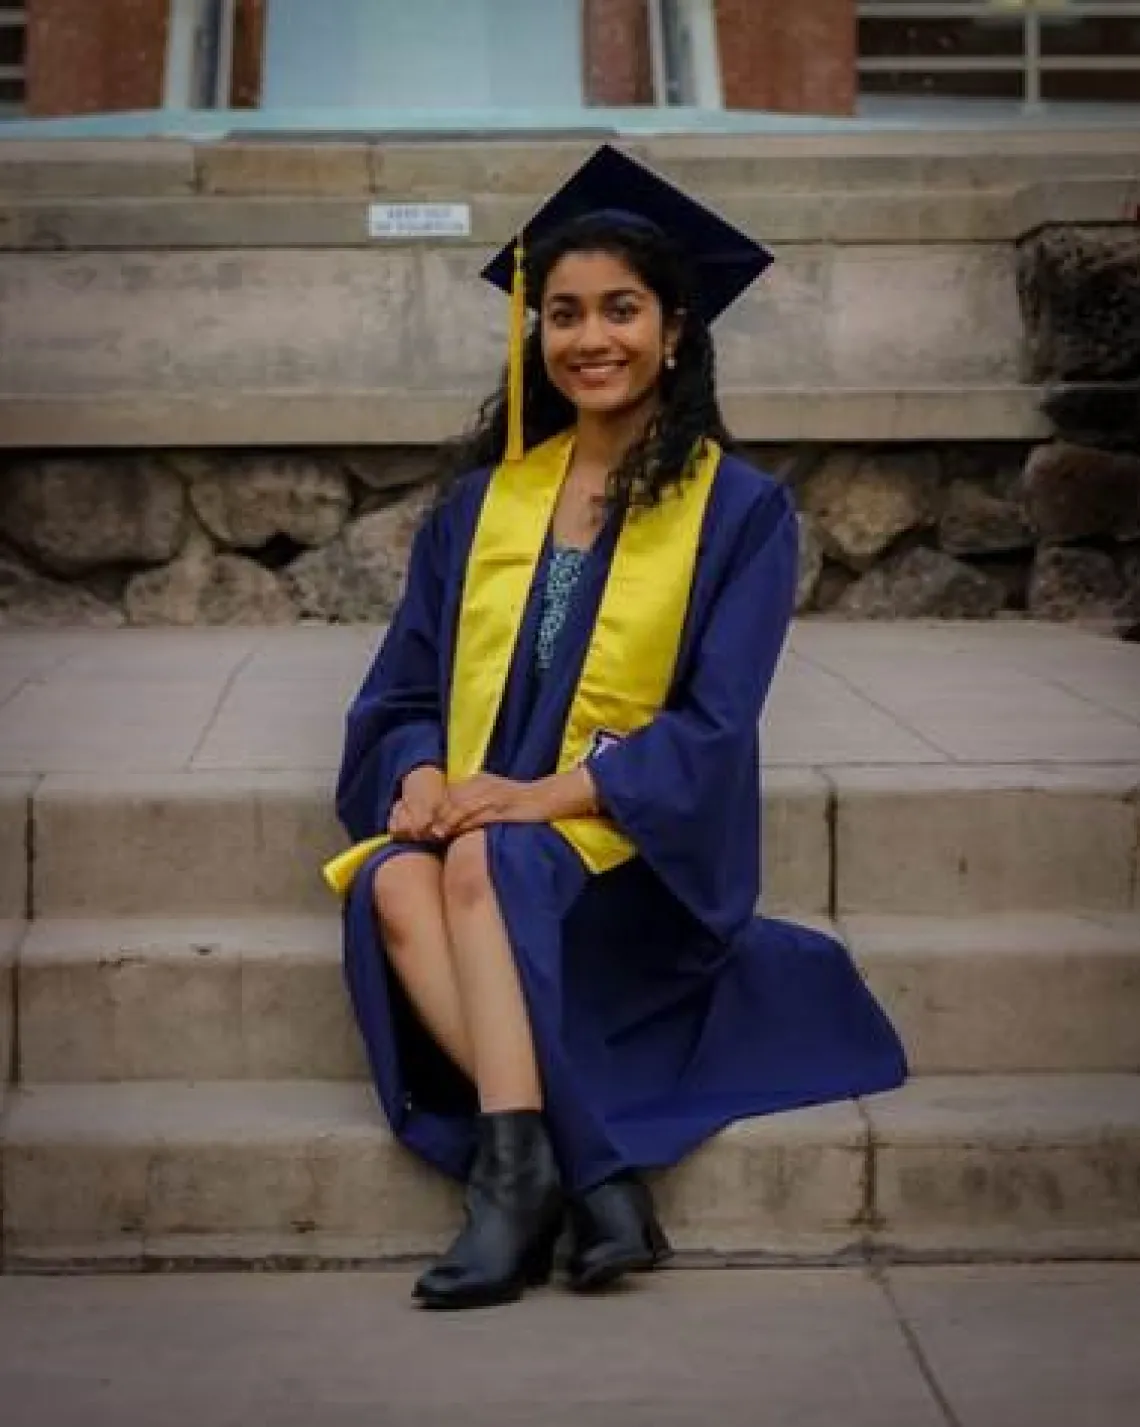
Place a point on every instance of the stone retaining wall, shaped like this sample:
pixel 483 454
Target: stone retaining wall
pixel 952 531
pixel 960 529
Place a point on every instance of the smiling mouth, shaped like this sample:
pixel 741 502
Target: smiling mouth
pixel 597 371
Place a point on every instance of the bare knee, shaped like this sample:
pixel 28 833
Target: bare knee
pixel 466 878
pixel 400 888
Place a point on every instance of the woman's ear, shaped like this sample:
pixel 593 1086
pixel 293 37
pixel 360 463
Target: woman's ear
pixel 671 338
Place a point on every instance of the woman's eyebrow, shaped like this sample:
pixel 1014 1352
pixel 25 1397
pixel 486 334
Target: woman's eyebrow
pixel 610 295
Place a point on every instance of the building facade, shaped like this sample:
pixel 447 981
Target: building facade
pixel 825 57
pixel 71 57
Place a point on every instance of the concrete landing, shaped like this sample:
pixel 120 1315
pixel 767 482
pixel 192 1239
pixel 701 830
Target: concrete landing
pixel 944 697
pixel 967 1347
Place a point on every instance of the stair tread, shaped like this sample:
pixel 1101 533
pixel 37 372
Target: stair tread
pixel 314 936
pixel 1002 1105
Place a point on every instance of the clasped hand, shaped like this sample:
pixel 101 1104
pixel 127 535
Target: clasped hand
pixel 430 809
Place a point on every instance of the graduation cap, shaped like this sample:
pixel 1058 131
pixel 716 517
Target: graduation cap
pixel 723 261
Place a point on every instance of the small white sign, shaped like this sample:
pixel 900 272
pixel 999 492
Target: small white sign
pixel 419 220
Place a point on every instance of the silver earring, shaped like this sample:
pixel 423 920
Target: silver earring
pixel 670 361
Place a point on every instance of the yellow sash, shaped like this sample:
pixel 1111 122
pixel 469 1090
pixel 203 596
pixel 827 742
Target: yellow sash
pixel 632 653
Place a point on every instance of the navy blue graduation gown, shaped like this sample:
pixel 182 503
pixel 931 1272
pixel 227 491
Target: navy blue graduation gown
pixel 662 1007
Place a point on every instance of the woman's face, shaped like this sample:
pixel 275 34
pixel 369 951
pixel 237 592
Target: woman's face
pixel 604 338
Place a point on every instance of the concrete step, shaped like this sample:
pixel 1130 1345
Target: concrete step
pixel 318 415
pixel 1028 1167
pixel 931 839
pixel 242 843
pixel 263 999
pixel 449 168
pixel 1002 208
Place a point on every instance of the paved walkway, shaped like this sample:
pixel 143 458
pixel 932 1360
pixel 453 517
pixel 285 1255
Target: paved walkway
pixel 846 695
pixel 1053 1346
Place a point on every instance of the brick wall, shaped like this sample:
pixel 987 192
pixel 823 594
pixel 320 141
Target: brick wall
pixel 86 58
pixel 616 49
pixel 249 40
pixel 795 56
pixel 95 56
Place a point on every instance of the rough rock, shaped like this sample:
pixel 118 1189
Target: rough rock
pixel 246 500
pixel 922 583
pixel 994 467
pixel 864 501
pixel 1105 414
pixel 28 600
pixel 1128 568
pixel 72 514
pixel 359 577
pixel 834 582
pixel 388 468
pixel 203 588
pixel 1010 573
pixel 1076 583
pixel 810 565
pixel 1080 300
pixel 1072 492
pixel 976 522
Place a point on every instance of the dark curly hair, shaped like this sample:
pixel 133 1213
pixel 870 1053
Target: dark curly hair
pixel 689 412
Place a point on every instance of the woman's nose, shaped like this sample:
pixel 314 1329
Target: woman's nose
pixel 594 335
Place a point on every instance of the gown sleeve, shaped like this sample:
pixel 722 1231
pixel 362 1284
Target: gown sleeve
pixel 685 789
pixel 395 723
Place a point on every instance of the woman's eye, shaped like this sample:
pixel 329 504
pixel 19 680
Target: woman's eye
pixel 623 312
pixel 561 317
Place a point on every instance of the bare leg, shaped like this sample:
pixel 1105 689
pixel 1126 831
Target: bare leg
pixel 494 1011
pixel 408 895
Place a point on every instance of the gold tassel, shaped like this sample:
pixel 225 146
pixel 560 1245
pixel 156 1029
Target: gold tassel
pixel 515 447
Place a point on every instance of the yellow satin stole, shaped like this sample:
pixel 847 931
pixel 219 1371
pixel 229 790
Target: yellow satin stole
pixel 632 653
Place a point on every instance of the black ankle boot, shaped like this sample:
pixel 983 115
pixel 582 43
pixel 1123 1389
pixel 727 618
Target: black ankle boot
pixel 514 1214
pixel 613 1231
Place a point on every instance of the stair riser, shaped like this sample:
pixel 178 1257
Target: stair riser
pixel 169 1016
pixel 1030 841
pixel 905 841
pixel 185 845
pixel 820 1184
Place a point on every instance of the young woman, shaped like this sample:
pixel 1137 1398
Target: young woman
pixel 553 768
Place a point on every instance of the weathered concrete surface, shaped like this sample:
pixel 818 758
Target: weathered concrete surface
pixel 682 1349
pixel 201 998
pixel 273 217
pixel 1033 1166
pixel 1015 1166
pixel 316 417
pixel 157 844
pixel 878 160
pixel 192 774
pixel 259 999
pixel 209 322
pixel 1047 1346
pixel 96 168
pixel 142 282
pixel 1043 1347
pixel 245 1170
pixel 15 801
pixel 1005 838
pixel 997 994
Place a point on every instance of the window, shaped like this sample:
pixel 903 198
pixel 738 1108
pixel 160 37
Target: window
pixel 1032 51
pixel 12 31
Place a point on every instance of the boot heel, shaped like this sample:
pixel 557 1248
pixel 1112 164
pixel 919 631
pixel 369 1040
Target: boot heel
pixel 659 1245
pixel 540 1263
